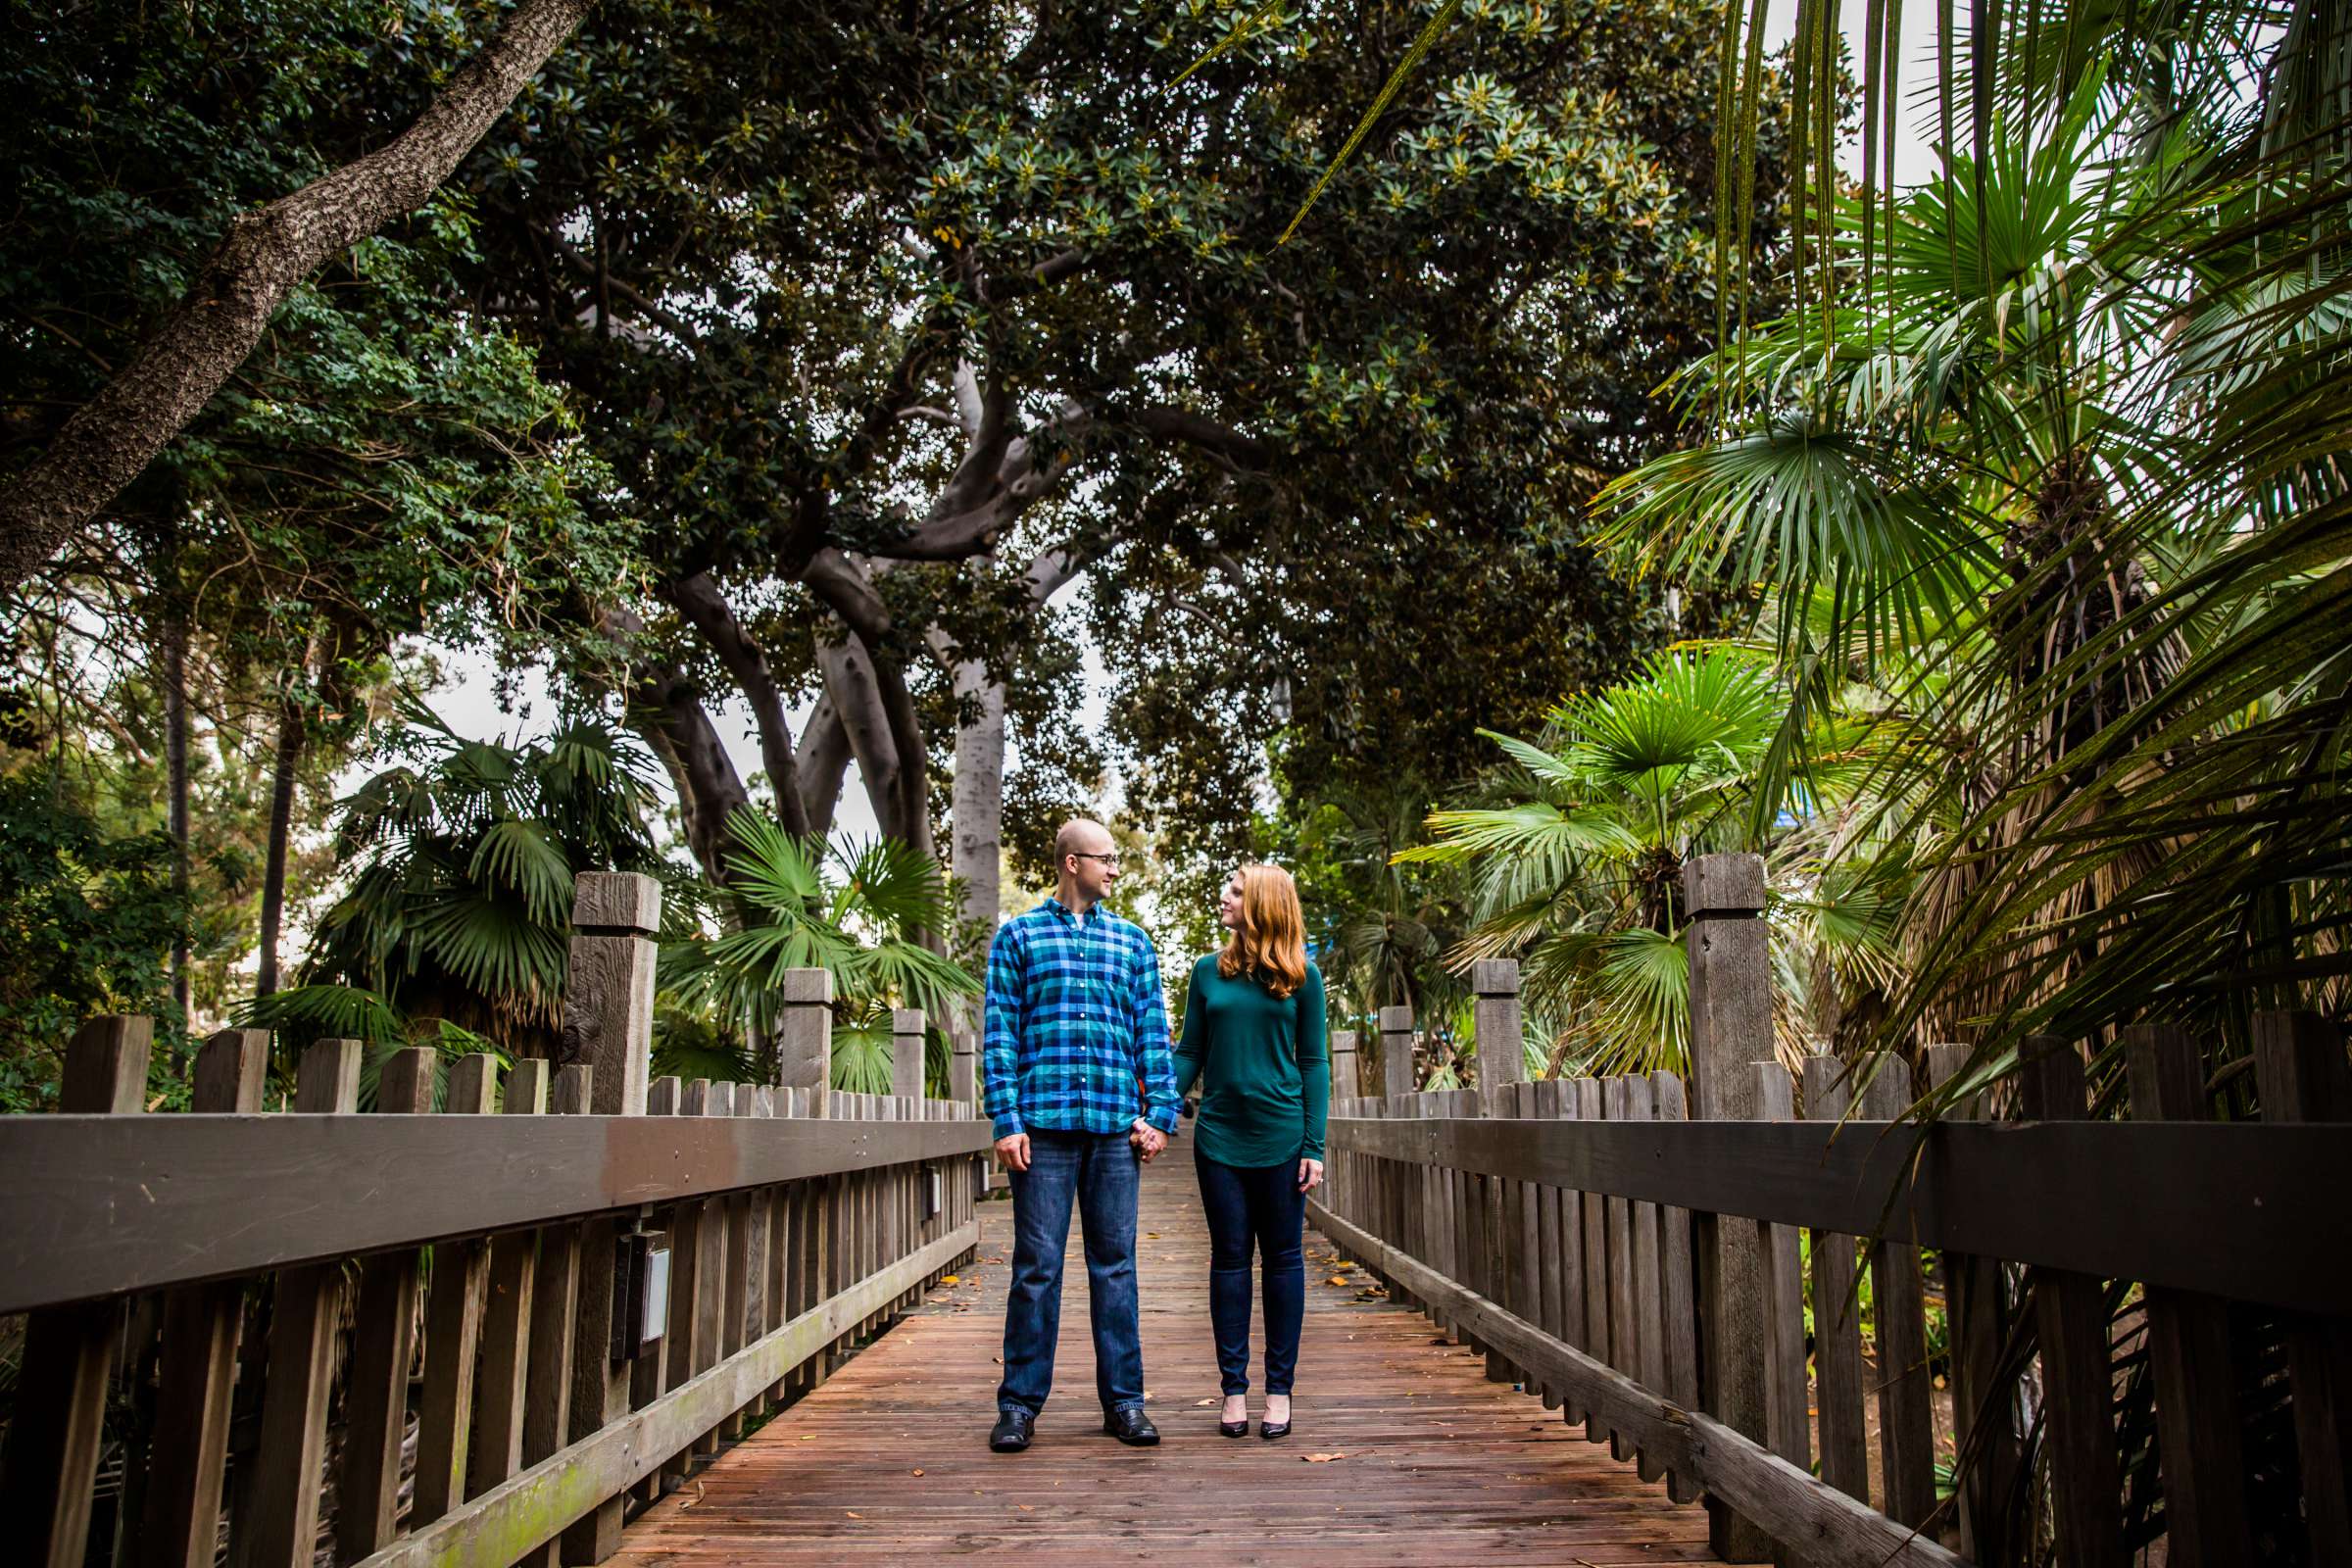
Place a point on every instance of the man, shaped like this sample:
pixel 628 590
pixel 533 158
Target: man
pixel 1080 1081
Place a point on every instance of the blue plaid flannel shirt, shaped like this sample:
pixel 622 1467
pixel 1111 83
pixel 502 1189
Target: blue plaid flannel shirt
pixel 1077 1027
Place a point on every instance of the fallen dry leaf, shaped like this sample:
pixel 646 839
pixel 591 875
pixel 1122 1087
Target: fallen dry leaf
pixel 951 1279
pixel 918 1472
pixel 1336 1279
pixel 1202 1403
pixel 854 1513
pixel 1024 1508
pixel 1321 1458
pixel 807 1436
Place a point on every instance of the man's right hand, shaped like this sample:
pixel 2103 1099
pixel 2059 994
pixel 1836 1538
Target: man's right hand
pixel 1013 1152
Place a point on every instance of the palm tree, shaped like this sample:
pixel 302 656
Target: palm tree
pixel 1577 871
pixel 453 928
pixel 863 913
pixel 2038 496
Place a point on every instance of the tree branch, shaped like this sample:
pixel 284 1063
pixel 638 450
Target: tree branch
pixel 265 257
pixel 607 281
pixel 824 761
pixel 706 610
pixel 898 776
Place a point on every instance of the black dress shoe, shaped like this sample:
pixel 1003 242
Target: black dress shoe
pixel 1270 1429
pixel 1234 1429
pixel 1012 1431
pixel 1131 1426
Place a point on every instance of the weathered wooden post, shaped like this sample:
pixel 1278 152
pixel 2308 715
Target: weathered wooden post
pixel 2300 1069
pixel 283 1524
pixel 496 1452
pixel 963 1068
pixel 2077 1379
pixel 554 1303
pixel 1338 1176
pixel 1731 1029
pixel 608 1028
pixel 1983 1396
pixel 804 1058
pixel 1396 1050
pixel 1385 1182
pixel 196 1373
pixel 1497 1034
pixel 2199 1447
pixel 906 1052
pixel 453 1330
pixel 804 1035
pixel 50 1471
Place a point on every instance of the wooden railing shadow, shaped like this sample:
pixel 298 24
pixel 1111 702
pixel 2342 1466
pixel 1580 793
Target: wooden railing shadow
pixel 411 1337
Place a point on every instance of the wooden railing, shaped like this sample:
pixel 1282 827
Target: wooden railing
pixel 404 1337
pixel 1629 1249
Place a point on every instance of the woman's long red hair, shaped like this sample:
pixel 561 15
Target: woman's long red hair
pixel 1270 942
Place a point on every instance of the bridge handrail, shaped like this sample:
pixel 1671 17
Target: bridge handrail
pixel 1633 1249
pixel 2216 1206
pixel 102 1205
pixel 602 1275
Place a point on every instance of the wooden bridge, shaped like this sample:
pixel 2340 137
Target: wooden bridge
pixel 1557 1322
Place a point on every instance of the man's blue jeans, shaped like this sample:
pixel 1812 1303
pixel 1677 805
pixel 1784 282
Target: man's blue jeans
pixel 1096 1171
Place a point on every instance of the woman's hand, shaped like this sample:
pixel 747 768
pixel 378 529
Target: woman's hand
pixel 1311 1175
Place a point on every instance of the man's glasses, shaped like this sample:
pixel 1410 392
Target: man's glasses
pixel 1110 860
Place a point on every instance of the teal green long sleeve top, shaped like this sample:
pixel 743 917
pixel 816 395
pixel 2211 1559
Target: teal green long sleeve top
pixel 1263 1063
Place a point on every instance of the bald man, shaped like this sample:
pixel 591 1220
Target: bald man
pixel 1080 1080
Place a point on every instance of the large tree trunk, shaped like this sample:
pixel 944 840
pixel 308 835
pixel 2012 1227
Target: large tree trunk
pixel 665 710
pixel 862 691
pixel 868 686
pixel 282 777
pixel 824 764
pixel 699 599
pixel 266 256
pixel 976 808
pixel 669 713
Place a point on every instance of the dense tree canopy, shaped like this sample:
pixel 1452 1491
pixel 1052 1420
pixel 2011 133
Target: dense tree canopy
pixel 777 359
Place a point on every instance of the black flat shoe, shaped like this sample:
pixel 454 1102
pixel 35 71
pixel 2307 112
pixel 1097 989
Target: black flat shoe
pixel 1012 1431
pixel 1131 1427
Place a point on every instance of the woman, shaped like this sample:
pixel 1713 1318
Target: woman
pixel 1253 1035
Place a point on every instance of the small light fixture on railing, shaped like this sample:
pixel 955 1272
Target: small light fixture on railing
pixel 935 1192
pixel 640 1293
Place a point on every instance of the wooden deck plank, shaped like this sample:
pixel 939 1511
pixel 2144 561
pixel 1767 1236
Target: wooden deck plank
pixel 889 1458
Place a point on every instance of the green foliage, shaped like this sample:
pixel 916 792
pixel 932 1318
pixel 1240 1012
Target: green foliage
pixel 87 921
pixel 455 918
pixel 2073 555
pixel 1578 867
pixel 858 912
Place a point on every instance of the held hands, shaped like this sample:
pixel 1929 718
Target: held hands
pixel 1147 1140
pixel 1311 1175
pixel 1013 1152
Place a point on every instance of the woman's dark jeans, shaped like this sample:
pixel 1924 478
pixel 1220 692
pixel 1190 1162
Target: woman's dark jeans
pixel 1264 1206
